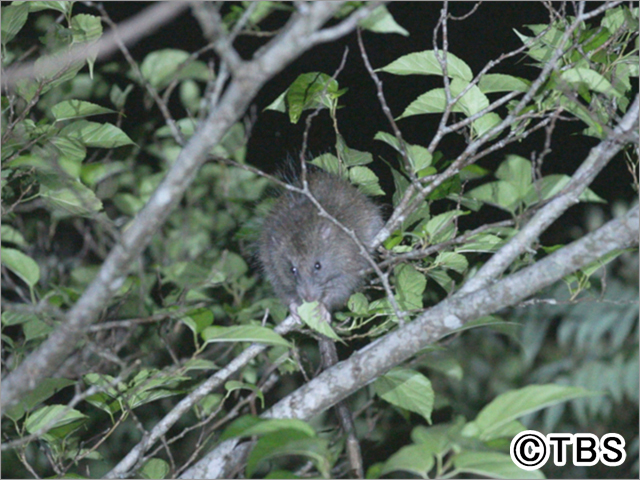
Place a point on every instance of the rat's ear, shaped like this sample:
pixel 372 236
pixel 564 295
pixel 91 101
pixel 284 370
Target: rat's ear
pixel 327 230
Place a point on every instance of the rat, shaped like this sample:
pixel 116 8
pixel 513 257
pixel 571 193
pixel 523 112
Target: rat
pixel 307 257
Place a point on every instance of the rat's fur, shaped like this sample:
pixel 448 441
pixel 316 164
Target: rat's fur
pixel 309 258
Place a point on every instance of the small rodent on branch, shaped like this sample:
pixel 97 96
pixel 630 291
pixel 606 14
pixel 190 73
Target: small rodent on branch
pixel 307 257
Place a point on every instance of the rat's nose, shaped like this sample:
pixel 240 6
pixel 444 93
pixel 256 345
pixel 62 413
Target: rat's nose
pixel 309 293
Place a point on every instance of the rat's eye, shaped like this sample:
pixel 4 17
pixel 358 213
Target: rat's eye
pixel 317 266
pixel 294 270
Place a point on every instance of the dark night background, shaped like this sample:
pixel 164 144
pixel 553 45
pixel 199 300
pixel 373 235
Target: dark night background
pixel 483 36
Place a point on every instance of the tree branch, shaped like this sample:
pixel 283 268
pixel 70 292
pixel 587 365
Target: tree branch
pixel 129 31
pixel 368 363
pixel 249 78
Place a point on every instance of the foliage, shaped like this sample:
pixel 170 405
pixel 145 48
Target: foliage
pixel 193 301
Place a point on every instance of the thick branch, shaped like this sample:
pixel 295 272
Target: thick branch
pixel 367 364
pixel 598 158
pixel 130 31
pixel 44 362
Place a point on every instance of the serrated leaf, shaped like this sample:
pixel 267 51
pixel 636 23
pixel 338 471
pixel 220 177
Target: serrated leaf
pixel 366 180
pixel 358 303
pixel 98 135
pixel 14 17
pixel 410 285
pixel 45 389
pixel 417 459
pixel 441 227
pixel 76 109
pixel 243 333
pixel 47 415
pixel 74 200
pixel 22 265
pixel 407 389
pixel 85 28
pixel 426 63
pixel 310 314
pixel 161 66
pixel 452 261
pixel 497 82
pixel 517 171
pixel 310 91
pixel 514 404
pixel 500 194
pixel 483 242
pixel 381 21
pixel 419 156
pixel 591 79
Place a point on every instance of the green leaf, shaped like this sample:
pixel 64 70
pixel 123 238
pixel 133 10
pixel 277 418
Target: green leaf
pixel 290 442
pixel 154 468
pixel 407 389
pixel 517 171
pixel 497 82
pixel 119 97
pixel 358 303
pixel 161 66
pixel 46 415
pixel 310 314
pixel 452 261
pixel 491 465
pixel 86 28
pixel 16 318
pixel 248 426
pixel 233 385
pixel 76 109
pixel 366 180
pixel 330 163
pixel 514 404
pixel 548 186
pixel 417 459
pixel 9 234
pixel 45 389
pixel 419 156
pixel 438 438
pixel 94 173
pixel 74 200
pixel 62 7
pixel 441 227
pixel 243 333
pixel 98 135
pixel 435 101
pixel 426 63
pixel 381 21
pixel 14 17
pixel 198 320
pixel 410 285
pixel 500 194
pixel 483 242
pixel 591 79
pixel 20 264
pixel 310 91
